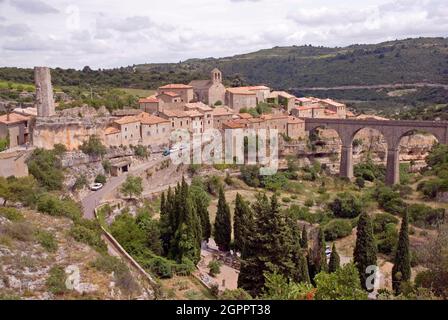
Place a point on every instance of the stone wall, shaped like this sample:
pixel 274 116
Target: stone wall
pixel 71 132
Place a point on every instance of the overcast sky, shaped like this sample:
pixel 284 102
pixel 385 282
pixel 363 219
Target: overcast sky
pixel 111 33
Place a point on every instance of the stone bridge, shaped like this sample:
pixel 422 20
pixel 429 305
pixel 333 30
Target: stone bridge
pixel 392 130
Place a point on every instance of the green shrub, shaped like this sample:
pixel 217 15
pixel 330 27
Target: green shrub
pixel 11 214
pixel 56 281
pixel 93 147
pixel 424 216
pixel 346 205
pixel 286 200
pixel 80 182
pixel 380 221
pixel 360 182
pixel 215 267
pixel 52 205
pixel 45 166
pixel 309 203
pixel 88 236
pixel 369 171
pixel 101 178
pixel 431 188
pixel 251 175
pixel 389 200
pixel 47 240
pixel 388 239
pixel 141 151
pixel 336 229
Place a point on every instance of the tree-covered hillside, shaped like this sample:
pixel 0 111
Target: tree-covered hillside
pixel 401 61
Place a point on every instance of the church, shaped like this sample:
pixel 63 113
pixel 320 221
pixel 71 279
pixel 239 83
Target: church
pixel 210 91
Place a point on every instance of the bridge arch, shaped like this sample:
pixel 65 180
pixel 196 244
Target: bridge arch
pixel 392 130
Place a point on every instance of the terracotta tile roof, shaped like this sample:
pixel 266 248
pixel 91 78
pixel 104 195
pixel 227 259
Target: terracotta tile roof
pixel 149 119
pixel 309 108
pixel 333 103
pixel 198 105
pixel 151 99
pixel 111 130
pixel 330 111
pixel 255 120
pixel 13 118
pixel 234 125
pixel 127 120
pixel 241 91
pixel 194 113
pixel 283 94
pixel 176 86
pixel 245 115
pixel 169 93
pixel 273 116
pixel 175 113
pixel 222 111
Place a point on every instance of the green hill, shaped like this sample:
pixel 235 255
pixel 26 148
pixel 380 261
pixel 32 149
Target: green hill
pixel 401 61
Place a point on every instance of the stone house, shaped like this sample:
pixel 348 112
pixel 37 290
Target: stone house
pixel 15 127
pixel 308 112
pixel 222 115
pixel 282 98
pixel 129 130
pixel 149 104
pixel 203 109
pixel 339 108
pixel 296 128
pixel 185 92
pixel 179 119
pixel 169 97
pixel 238 98
pixel 154 130
pixel 209 91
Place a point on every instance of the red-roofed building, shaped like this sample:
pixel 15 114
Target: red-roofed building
pixel 185 92
pixel 149 104
pixel 15 127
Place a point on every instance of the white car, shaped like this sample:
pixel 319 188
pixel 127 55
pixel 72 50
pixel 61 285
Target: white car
pixel 96 186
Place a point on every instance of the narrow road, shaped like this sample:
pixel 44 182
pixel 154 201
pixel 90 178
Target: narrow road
pixel 93 199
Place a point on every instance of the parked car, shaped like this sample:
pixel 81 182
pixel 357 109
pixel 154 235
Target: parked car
pixel 96 186
pixel 166 152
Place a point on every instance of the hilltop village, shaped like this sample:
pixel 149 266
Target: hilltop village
pixel 198 106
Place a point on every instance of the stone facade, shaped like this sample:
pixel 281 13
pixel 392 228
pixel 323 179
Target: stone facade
pixel 15 127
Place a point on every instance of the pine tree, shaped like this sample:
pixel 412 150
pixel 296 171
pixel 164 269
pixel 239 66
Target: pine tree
pixel 365 249
pixel 401 271
pixel 223 224
pixel 242 223
pixel 304 239
pixel 335 260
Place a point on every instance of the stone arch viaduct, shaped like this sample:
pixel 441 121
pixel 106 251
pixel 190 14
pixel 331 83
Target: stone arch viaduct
pixel 392 130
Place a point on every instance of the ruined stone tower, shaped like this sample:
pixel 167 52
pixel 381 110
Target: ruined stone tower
pixel 44 92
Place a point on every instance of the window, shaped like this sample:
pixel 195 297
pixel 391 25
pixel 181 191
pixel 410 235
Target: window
pixel 172 124
pixel 148 133
pixel 181 123
pixel 126 129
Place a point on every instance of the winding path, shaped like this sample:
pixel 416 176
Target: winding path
pixel 93 199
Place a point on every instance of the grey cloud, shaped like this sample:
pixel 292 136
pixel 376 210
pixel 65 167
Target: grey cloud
pixel 33 6
pixel 129 24
pixel 14 30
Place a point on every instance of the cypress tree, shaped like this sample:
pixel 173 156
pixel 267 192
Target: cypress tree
pixel 304 239
pixel 242 223
pixel 365 249
pixel 269 247
pixel 254 256
pixel 401 271
pixel 166 231
pixel 223 224
pixel 335 260
pixel 321 257
pixel 202 201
